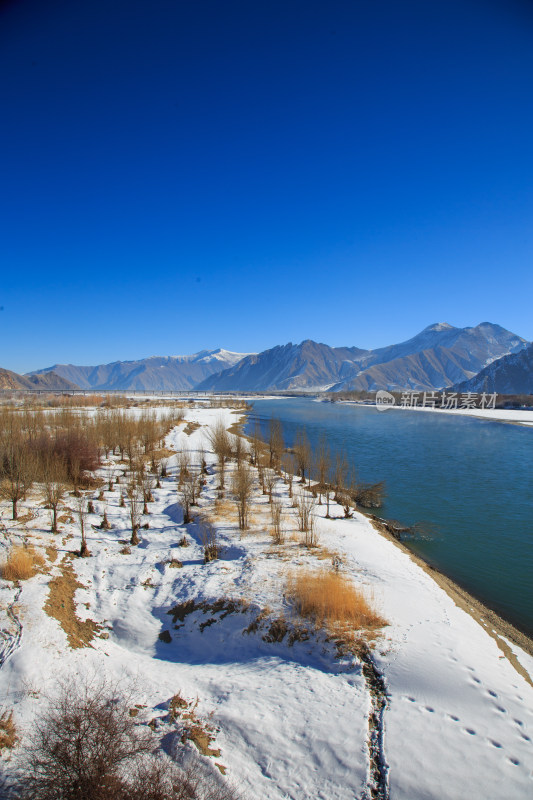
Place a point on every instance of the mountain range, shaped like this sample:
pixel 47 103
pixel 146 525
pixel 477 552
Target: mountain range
pixel 439 356
pixel 157 373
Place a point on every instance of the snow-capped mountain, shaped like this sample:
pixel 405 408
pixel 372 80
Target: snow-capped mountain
pixel 156 373
pixel 438 356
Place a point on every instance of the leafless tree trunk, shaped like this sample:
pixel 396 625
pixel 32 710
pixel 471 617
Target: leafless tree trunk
pixel 276 445
pixel 81 513
pixel 276 511
pixel 135 511
pixel 54 485
pixel 302 452
pixel 17 466
pixel 242 487
pixel 221 445
pixel 323 466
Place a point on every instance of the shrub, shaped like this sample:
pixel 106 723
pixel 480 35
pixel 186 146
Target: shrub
pixel 21 564
pixel 331 600
pixel 87 746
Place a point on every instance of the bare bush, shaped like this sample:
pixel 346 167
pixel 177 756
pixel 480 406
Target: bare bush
pixel 209 541
pixel 87 746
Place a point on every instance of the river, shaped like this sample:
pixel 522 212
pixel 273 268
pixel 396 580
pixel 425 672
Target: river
pixel 470 479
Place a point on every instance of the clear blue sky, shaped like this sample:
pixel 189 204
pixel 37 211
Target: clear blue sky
pixel 187 174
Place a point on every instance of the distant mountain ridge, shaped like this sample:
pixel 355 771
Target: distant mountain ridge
pixel 512 374
pixel 156 373
pixel 12 381
pixel 439 356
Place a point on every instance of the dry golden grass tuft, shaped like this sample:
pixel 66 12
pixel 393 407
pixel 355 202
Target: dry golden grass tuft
pixel 332 601
pixel 191 427
pixel 8 732
pixel 22 563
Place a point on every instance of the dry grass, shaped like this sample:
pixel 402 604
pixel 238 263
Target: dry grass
pixel 191 427
pixel 61 606
pixel 332 601
pixel 8 732
pixel 22 563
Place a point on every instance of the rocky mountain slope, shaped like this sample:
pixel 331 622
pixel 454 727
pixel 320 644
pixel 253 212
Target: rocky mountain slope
pixel 157 373
pixel 512 374
pixel 12 381
pixel 439 356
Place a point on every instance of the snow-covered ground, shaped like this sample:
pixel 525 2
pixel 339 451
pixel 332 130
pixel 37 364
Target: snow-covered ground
pixel 290 720
pixel 516 415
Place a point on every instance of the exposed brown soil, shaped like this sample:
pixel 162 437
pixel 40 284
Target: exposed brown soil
pixel 61 606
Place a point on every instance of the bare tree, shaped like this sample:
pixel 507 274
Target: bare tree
pixel 147 484
pixel 242 487
pixel 340 474
pixel 17 470
pixel 134 498
pixel 270 481
pixel 221 445
pixel 302 452
pixel 256 444
pixel 305 504
pixel 322 467
pixel 54 485
pixel 289 465
pixel 187 494
pixel 276 511
pixel 81 513
pixel 276 445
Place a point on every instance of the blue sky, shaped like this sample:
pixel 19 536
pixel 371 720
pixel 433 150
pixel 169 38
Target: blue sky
pixel 182 175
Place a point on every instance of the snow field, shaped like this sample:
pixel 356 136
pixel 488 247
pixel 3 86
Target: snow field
pixel 290 721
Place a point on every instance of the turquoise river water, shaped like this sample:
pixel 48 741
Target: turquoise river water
pixel 471 479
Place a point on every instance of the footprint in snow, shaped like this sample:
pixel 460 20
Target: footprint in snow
pixel 526 738
pixel 501 709
pixel 495 744
pixel 431 710
pixel 514 761
pixel 518 721
pixel 471 731
pixel 492 694
pixel 476 680
pixel 452 716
